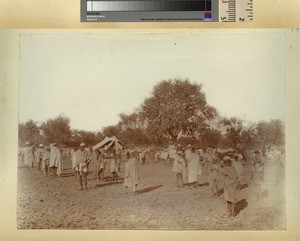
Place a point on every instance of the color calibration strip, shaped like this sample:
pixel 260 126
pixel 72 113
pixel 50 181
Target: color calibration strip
pixel 153 5
pixel 166 10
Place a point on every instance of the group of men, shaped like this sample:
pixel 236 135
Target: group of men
pixel 45 158
pixel 222 170
pixel 85 161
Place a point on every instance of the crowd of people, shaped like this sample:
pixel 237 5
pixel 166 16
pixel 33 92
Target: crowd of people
pixel 190 163
pixel 223 169
pixel 46 158
pixel 85 161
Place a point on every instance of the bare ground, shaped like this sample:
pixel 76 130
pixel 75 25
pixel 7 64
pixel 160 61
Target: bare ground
pixel 57 203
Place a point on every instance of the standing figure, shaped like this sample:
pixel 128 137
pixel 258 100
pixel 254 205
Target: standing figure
pixel 28 155
pixel 118 158
pixel 89 151
pixel 82 163
pixel 55 161
pixel 39 156
pixel 131 173
pixel 171 153
pixel 187 157
pixel 188 153
pixel 179 167
pixel 96 160
pixel 102 161
pixel 114 168
pixel 142 157
pixel 237 164
pixel 45 161
pixel 201 171
pixel 193 168
pixel 213 171
pixel 230 184
pixel 164 156
pixel 74 162
pixel 157 156
pixel 253 156
pixel 257 175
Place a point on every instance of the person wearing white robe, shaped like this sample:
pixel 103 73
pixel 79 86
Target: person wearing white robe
pixel 82 158
pixel 142 157
pixel 237 164
pixel 188 153
pixel 103 162
pixel 28 155
pixel 230 184
pixel 118 152
pixel 74 163
pixel 213 166
pixel 39 156
pixel 131 174
pixel 45 161
pixel 200 152
pixel 257 176
pixel 55 160
pixel 96 161
pixel 193 168
pixel 114 168
pixel 179 167
pixel 171 154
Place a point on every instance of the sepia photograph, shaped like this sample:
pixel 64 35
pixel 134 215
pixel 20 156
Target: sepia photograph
pixel 151 131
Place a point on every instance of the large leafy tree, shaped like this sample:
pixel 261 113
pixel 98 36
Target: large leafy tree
pixel 29 131
pixel 211 138
pixel 57 130
pixel 133 129
pixel 131 121
pixel 234 129
pixel 270 133
pixel 88 137
pixel 112 130
pixel 176 107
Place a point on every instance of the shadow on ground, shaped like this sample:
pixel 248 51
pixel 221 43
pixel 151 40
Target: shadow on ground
pixel 120 180
pixel 242 186
pixel 147 189
pixel 66 174
pixel 239 206
pixel 203 184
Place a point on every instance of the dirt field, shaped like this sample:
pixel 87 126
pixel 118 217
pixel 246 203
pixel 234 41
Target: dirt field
pixel 57 203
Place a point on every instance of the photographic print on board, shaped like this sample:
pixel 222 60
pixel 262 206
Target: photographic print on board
pixel 151 131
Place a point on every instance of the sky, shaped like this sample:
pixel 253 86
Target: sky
pixel 92 78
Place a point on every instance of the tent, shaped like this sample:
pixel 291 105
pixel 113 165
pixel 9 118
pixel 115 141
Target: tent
pixel 109 142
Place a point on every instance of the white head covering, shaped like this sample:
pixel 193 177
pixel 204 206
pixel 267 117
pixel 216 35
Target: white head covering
pixel 82 144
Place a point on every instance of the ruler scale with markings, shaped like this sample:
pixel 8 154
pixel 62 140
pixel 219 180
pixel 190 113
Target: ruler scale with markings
pixel 235 10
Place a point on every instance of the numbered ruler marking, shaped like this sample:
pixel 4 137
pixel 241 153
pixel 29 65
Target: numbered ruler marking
pixel 235 10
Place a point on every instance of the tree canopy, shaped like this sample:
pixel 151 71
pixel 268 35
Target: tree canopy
pixel 29 131
pixel 57 130
pixel 176 110
pixel 176 106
